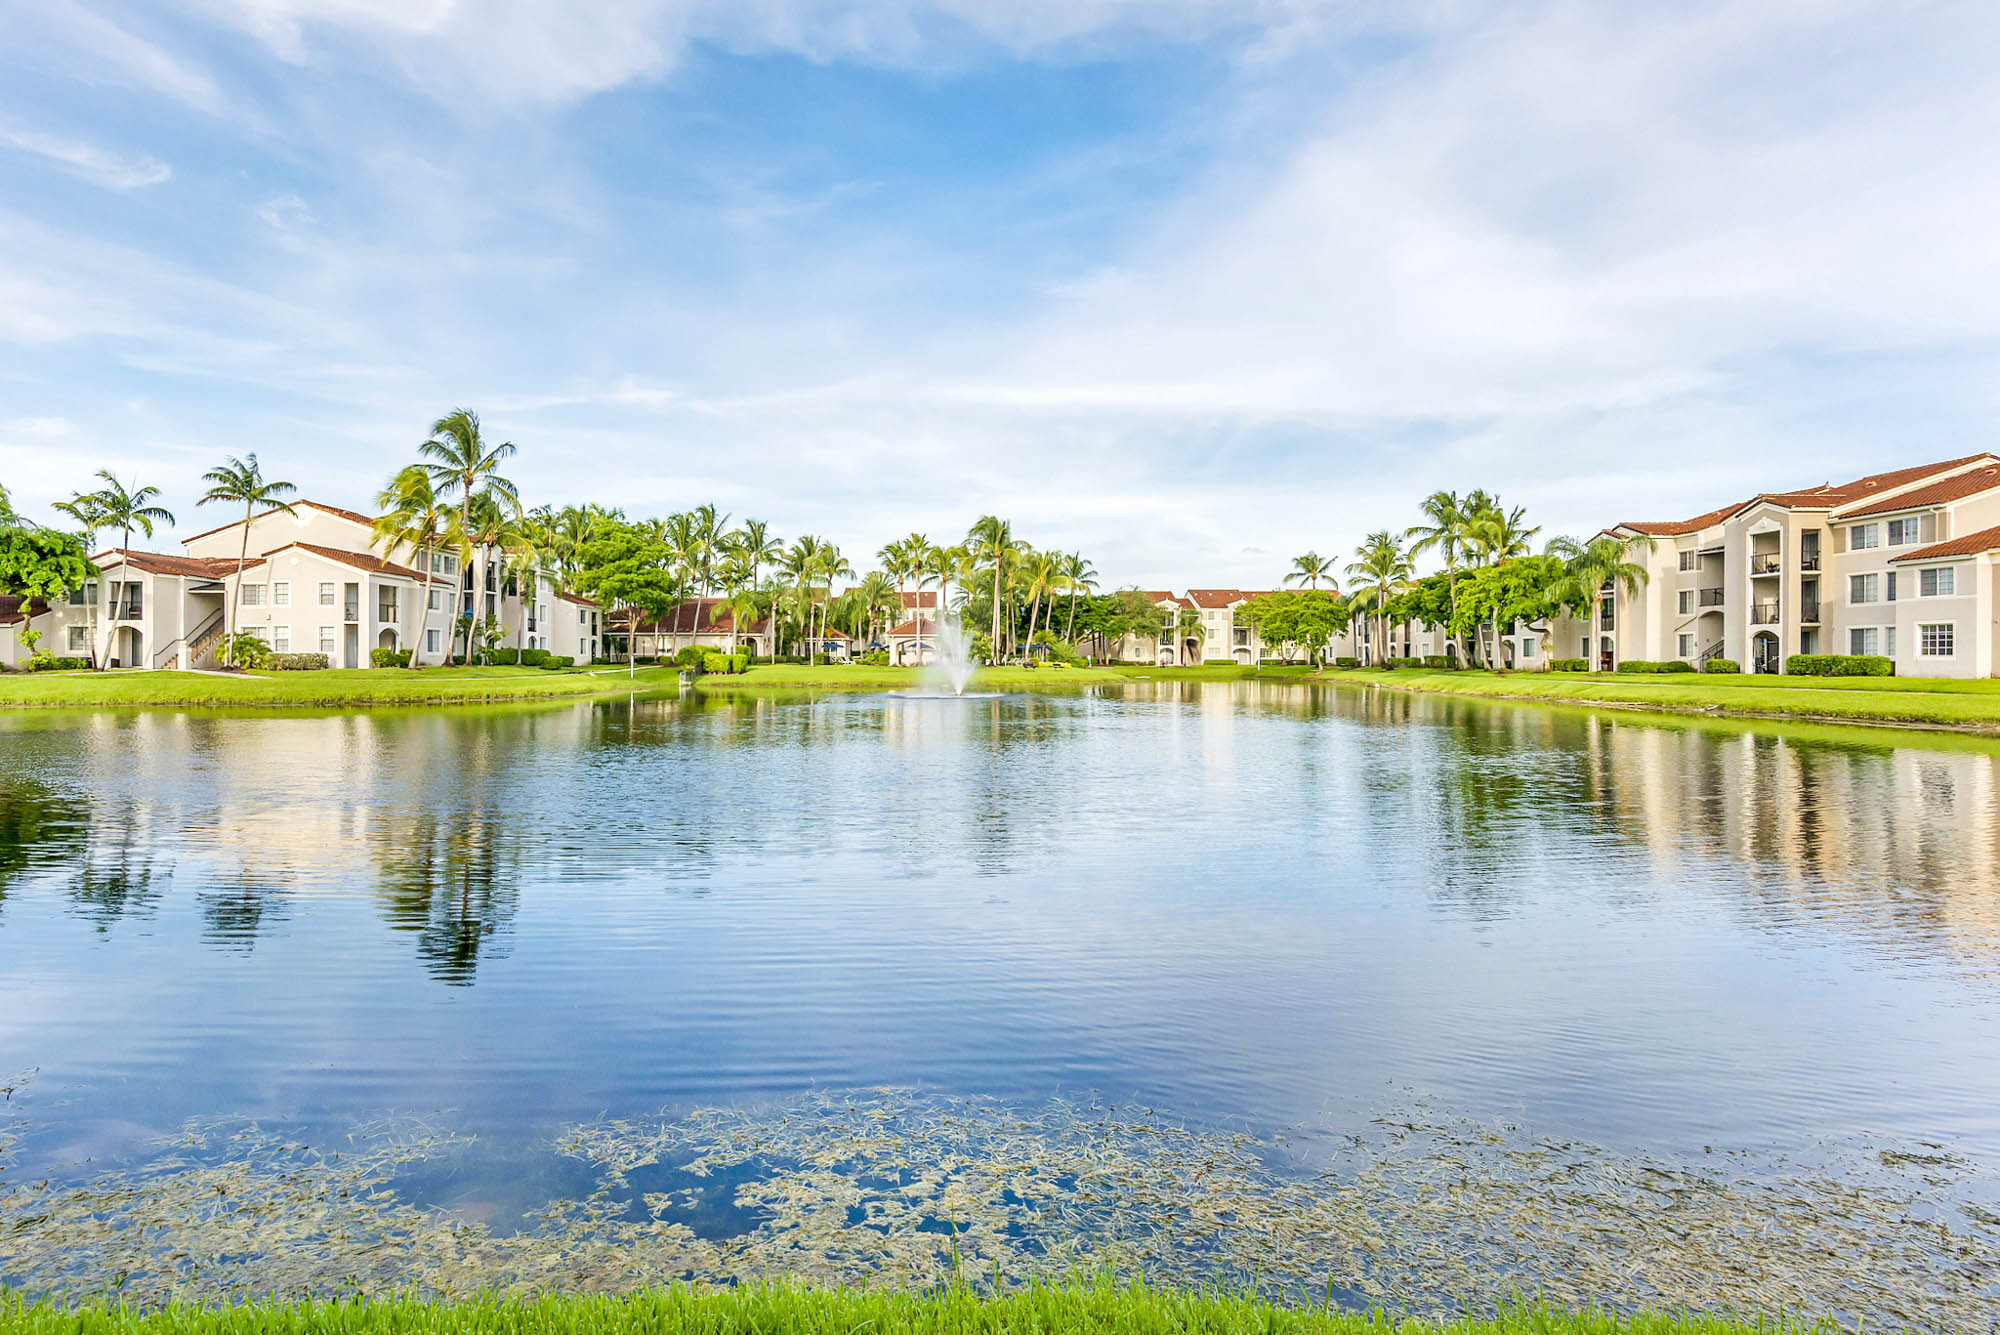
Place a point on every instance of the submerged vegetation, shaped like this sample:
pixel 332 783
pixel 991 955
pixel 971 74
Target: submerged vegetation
pixel 1423 1214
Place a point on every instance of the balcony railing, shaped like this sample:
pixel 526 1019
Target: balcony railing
pixel 1710 598
pixel 1809 613
pixel 1764 614
pixel 351 612
pixel 1766 563
pixel 1810 561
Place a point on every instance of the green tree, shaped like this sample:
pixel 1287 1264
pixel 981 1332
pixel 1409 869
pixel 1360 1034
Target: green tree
pixel 462 465
pixel 1588 569
pixel 1305 619
pixel 1041 580
pixel 1380 564
pixel 42 564
pixel 87 510
pixel 1450 518
pixel 129 509
pixel 1079 577
pixel 415 516
pixel 991 542
pixel 8 519
pixel 628 571
pixel 1310 569
pixel 243 481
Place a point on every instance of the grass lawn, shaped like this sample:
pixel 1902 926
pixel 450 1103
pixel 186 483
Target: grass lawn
pixel 334 687
pixel 1214 672
pixel 835 676
pixel 780 1310
pixel 1971 705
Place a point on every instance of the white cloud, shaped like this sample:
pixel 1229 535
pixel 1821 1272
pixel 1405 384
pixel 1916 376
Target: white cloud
pixel 100 166
pixel 82 42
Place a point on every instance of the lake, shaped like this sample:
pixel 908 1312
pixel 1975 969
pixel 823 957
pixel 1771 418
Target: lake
pixel 1336 991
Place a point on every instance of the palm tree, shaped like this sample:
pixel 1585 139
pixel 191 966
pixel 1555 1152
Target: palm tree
pixel 742 605
pixel 1187 625
pixel 1079 576
pixel 128 510
pixel 682 535
pixel 243 480
pixel 943 564
pixel 493 530
pixel 1380 561
pixel 415 516
pixel 8 519
pixel 992 540
pixel 1589 568
pixel 830 567
pixel 1310 569
pixel 87 509
pixel 461 464
pixel 800 564
pixel 1042 578
pixel 1497 534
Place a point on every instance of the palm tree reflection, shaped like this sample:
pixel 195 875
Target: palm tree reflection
pixel 453 879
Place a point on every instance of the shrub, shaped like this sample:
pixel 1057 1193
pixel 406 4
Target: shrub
pixel 1840 665
pixel 1568 665
pixel 1441 662
pixel 244 650
pixel 552 663
pixel 1642 666
pixel 739 662
pixel 296 662
pixel 876 658
pixel 389 657
pixel 534 657
pixel 1346 662
pixel 51 663
pixel 1061 651
pixel 717 663
pixel 691 657
pixel 504 657
pixel 1722 665
pixel 1406 662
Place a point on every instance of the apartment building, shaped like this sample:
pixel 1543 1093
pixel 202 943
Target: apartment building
pixel 1899 564
pixel 311 581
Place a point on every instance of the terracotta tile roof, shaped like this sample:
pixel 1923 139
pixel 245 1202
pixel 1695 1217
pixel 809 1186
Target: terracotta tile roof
pixel 1680 528
pixel 909 629
pixel 579 599
pixel 1849 492
pixel 1954 488
pixel 1972 544
pixel 159 563
pixel 1216 597
pixel 310 505
pixel 374 565
pixel 11 613
pixel 691 616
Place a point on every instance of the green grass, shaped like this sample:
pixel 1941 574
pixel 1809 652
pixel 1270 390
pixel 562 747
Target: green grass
pixel 305 690
pixel 1215 672
pixel 834 676
pixel 1097 1309
pixel 1970 705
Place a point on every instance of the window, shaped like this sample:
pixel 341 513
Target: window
pixel 430 641
pixel 1937 582
pixel 440 563
pixel 1863 640
pixel 1863 536
pixel 1902 532
pixel 1687 646
pixel 281 595
pixel 253 595
pixel 1529 648
pixel 1934 639
pixel 1863 588
pixel 1687 600
pixel 326 593
pixel 1889 641
pixel 326 639
pixel 437 599
pixel 77 643
pixel 1690 559
pixel 1809 641
pixel 281 639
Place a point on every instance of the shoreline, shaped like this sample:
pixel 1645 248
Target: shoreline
pixel 328 688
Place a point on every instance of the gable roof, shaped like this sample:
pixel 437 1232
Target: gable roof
pixel 1682 527
pixel 690 616
pixel 579 599
pixel 14 609
pixel 310 505
pixel 159 563
pixel 1216 597
pixel 1954 488
pixel 911 629
pixel 1972 544
pixel 373 564
pixel 1826 496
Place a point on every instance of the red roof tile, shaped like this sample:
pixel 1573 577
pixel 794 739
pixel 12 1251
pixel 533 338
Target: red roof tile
pixel 1972 544
pixel 311 505
pixel 1954 488
pixel 910 629
pixel 190 567
pixel 1680 528
pixel 1823 497
pixel 11 612
pixel 375 565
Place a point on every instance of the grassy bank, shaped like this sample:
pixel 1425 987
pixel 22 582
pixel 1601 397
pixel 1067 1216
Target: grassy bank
pixel 839 677
pixel 306 690
pixel 1092 1310
pixel 1967 705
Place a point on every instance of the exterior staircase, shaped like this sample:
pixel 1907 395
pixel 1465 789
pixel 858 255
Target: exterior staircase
pixel 201 644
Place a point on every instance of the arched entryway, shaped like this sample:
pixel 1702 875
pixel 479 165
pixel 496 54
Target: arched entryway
pixel 387 639
pixel 1764 652
pixel 128 647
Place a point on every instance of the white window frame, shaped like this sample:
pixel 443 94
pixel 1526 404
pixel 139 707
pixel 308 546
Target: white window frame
pixel 1686 643
pixel 1927 630
pixel 281 593
pixel 250 595
pixel 281 639
pixel 1857 647
pixel 430 641
pixel 1686 604
pixel 328 594
pixel 79 640
pixel 1690 560
pixel 1864 537
pixel 1871 583
pixel 328 642
pixel 1937 577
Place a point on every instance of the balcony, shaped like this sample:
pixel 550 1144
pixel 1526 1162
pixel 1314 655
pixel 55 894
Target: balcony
pixel 1766 563
pixel 1709 598
pixel 1810 561
pixel 1809 613
pixel 1764 614
pixel 351 612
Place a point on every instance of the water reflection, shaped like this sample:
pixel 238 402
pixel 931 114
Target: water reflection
pixel 454 881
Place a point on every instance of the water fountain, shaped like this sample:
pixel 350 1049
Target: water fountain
pixel 953 661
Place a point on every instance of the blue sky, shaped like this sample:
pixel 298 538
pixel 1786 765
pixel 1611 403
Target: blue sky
pixel 1191 286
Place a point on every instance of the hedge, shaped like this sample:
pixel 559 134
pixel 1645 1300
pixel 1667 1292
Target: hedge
pixel 534 657
pixel 1569 665
pixel 1722 665
pixel 1840 665
pixel 399 658
pixel 1445 662
pixel 1640 665
pixel 1405 663
pixel 717 663
pixel 50 663
pixel 297 662
pixel 1347 662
